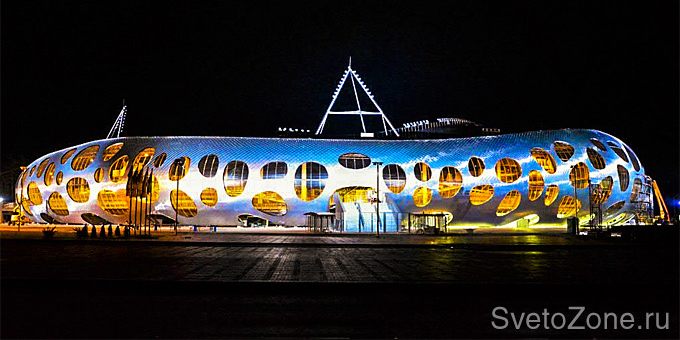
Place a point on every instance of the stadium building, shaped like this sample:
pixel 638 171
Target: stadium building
pixel 448 173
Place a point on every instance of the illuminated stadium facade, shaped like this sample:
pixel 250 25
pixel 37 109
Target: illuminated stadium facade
pixel 515 180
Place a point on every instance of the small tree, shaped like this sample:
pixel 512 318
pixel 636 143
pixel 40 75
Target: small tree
pixel 117 231
pixel 102 232
pixel 83 232
pixel 110 231
pixel 94 231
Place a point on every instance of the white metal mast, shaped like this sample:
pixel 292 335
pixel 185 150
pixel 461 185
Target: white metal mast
pixel 118 125
pixel 354 76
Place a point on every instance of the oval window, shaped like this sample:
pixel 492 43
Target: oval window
pixel 183 204
pixel 41 167
pixel 422 171
pixel 509 203
pixel 60 177
pixel 481 194
pixel 160 159
pixel 57 204
pixel 394 177
pixel 536 185
pixel 563 150
pixel 111 151
pixel 235 178
pixel 310 180
pixel 508 170
pixel 67 155
pixel 551 194
pixel 579 175
pixel 618 151
pixel 270 203
pixel 99 175
pixel 179 168
pixel 624 177
pixel 568 207
pixel 34 193
pixel 84 158
pixel 450 182
pixel 274 170
pixel 422 196
pixel 142 159
pixel 118 169
pixel 354 160
pixel 633 158
pixel 209 197
pixel 476 166
pixel 544 159
pixel 598 144
pixel 114 203
pixel 595 159
pixel 49 174
pixel 208 165
pixel 78 189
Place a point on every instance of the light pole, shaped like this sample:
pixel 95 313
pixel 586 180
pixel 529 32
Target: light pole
pixel 578 222
pixel 21 198
pixel 377 196
pixel 177 164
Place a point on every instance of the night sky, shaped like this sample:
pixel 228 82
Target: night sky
pixel 223 68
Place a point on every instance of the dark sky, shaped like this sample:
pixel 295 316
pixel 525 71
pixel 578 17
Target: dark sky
pixel 223 68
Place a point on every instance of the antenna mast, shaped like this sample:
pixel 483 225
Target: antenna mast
pixel 354 78
pixel 118 125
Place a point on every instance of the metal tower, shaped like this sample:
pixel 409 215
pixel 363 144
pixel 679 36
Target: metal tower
pixel 118 125
pixel 354 78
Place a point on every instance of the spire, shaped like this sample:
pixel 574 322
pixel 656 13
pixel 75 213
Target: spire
pixel 118 125
pixel 354 79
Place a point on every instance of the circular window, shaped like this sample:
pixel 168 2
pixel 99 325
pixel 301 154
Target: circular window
pixel 394 177
pixel 209 197
pixel 508 170
pixel 579 175
pixel 310 180
pixel 422 196
pixel 78 189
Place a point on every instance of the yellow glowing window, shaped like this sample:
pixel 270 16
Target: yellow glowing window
pixel 544 159
pixel 354 161
pixel 536 184
pixel 78 189
pixel 208 165
pixel 49 174
pixel 209 197
pixel 422 172
pixel 274 170
pixel 160 159
pixel 422 196
pixel 179 168
pixel 476 166
pixel 551 194
pixel 183 204
pixel 114 203
pixel 41 167
pixel 84 158
pixel 568 206
pixel 481 194
pixel 310 180
pixel 598 144
pixel 270 203
pixel 623 177
pixel 450 182
pixel 579 175
pixel 618 151
pixel 635 191
pixel 57 204
pixel 118 169
pixel 142 158
pixel 99 175
pixel 60 177
pixel 509 203
pixel 67 155
pixel 111 151
pixel 32 171
pixel 563 150
pixel 633 158
pixel 508 170
pixel 595 159
pixel 27 206
pixel 34 193
pixel 394 177
pixel 603 190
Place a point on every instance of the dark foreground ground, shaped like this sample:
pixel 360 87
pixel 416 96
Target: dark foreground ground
pixel 144 289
